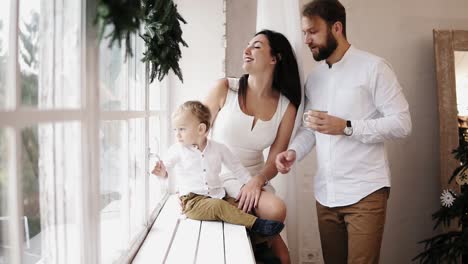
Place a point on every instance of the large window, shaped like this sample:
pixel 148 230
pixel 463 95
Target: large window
pixel 80 129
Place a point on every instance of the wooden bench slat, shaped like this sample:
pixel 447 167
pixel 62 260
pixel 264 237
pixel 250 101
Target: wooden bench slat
pixel 184 246
pixel 211 245
pixel 237 245
pixel 175 241
pixel 158 241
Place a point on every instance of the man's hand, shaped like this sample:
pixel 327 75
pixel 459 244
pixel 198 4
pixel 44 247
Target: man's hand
pixel 285 160
pixel 325 123
pixel 159 169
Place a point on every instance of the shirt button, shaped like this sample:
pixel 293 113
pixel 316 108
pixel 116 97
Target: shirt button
pixel 204 169
pixel 203 155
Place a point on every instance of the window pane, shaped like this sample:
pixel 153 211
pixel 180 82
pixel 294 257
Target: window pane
pixel 113 75
pixel 157 93
pixel 136 89
pixel 136 180
pixel 49 53
pixel 157 186
pixel 51 168
pixel 4 23
pixel 31 194
pixel 60 67
pixel 114 175
pixel 28 51
pixel 122 185
pixel 4 160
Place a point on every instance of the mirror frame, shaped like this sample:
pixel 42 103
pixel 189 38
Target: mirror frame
pixel 446 42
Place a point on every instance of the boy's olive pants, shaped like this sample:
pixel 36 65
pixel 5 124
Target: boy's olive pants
pixel 200 207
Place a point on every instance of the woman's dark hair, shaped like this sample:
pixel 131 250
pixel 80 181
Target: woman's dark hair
pixel 329 10
pixel 286 79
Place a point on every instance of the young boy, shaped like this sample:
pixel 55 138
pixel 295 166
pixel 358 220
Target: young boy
pixel 197 162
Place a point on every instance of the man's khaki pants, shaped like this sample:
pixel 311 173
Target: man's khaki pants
pixel 353 234
pixel 200 207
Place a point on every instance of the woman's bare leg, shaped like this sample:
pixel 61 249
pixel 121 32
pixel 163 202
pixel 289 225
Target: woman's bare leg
pixel 271 207
pixel 280 249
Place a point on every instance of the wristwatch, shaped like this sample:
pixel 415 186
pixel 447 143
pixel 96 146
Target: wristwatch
pixel 348 130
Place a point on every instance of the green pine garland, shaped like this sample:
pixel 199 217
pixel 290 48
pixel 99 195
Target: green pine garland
pixel 162 37
pixel 449 247
pixel 124 16
pixel 162 31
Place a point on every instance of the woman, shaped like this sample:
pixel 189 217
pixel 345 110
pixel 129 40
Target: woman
pixel 254 113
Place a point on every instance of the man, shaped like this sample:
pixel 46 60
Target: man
pixel 355 103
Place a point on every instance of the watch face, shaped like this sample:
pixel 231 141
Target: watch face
pixel 348 131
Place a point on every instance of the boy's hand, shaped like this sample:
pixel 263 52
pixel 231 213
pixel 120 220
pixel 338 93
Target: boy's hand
pixel 159 169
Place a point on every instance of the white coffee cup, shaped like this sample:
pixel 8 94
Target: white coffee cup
pixel 306 114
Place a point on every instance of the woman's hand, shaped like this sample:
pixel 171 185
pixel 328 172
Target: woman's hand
pixel 249 194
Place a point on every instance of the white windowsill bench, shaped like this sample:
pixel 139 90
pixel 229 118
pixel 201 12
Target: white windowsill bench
pixel 174 240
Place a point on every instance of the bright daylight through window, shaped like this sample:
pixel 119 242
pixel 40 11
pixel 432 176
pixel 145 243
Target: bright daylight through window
pixel 72 122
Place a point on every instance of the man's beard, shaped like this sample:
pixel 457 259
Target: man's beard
pixel 325 51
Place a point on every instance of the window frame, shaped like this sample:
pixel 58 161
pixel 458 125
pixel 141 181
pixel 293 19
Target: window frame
pixel 89 115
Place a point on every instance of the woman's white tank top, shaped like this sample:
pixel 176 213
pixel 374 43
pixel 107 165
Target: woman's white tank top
pixel 233 128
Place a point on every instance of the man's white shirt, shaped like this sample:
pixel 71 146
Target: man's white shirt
pixel 199 171
pixel 362 88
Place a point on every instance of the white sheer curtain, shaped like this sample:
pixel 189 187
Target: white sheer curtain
pixel 284 16
pixel 59 143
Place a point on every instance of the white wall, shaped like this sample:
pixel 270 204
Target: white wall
pixel 202 62
pixel 401 32
pixel 240 28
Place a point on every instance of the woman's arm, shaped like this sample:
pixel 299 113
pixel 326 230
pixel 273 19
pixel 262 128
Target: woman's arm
pixel 217 97
pixel 250 193
pixel 280 144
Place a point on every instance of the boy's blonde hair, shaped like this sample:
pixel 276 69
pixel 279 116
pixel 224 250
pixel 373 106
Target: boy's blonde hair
pixel 198 109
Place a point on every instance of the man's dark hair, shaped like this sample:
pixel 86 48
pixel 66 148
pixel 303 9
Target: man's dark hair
pixel 329 10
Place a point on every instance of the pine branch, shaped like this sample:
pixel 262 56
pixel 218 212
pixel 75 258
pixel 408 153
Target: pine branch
pixel 162 36
pixel 123 17
pixel 461 154
pixel 443 248
pixel 449 247
pixel 445 215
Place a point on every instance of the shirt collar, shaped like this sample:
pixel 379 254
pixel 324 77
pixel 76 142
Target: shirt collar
pixel 342 60
pixel 208 144
pixel 195 148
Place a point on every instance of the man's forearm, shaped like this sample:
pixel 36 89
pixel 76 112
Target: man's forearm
pixel 302 143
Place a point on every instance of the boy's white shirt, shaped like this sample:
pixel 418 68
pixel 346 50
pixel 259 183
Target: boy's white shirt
pixel 199 171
